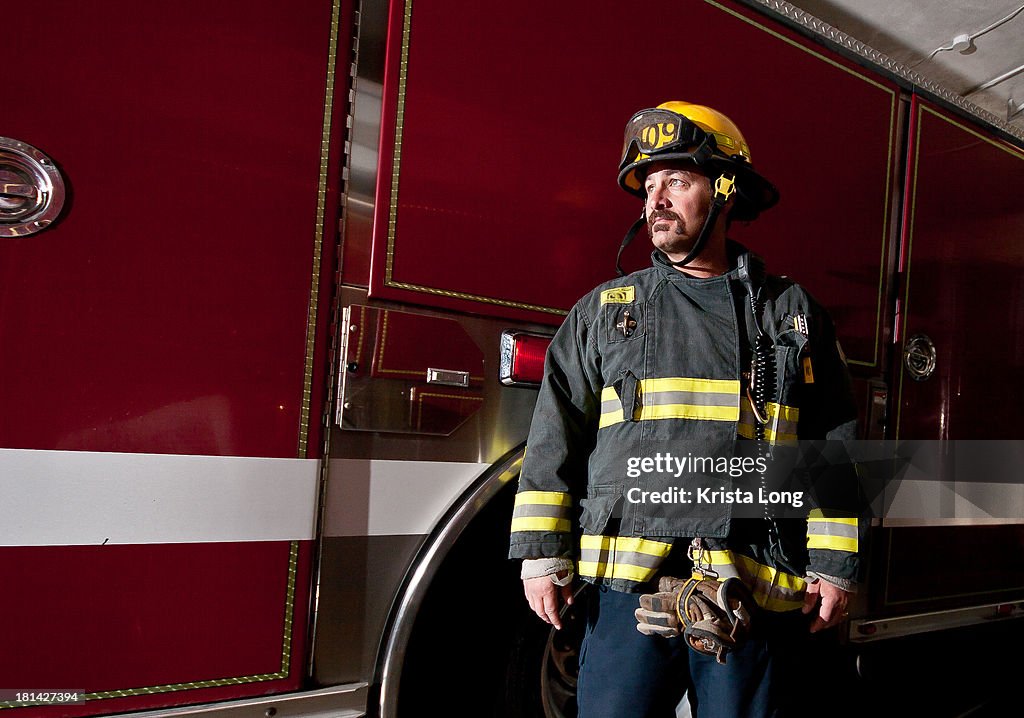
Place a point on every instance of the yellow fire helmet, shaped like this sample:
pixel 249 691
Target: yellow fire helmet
pixel 684 131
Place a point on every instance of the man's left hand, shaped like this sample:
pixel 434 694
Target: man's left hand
pixel 832 609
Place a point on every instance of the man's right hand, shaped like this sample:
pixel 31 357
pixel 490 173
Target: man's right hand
pixel 545 598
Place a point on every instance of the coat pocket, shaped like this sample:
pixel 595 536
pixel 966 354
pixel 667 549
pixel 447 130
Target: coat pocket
pixel 623 322
pixel 603 506
pixel 626 389
pixel 795 367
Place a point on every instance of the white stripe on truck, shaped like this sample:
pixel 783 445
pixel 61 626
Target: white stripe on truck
pixel 67 498
pixel 377 497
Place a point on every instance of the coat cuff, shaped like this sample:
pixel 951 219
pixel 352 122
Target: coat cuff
pixel 537 567
pixel 844 583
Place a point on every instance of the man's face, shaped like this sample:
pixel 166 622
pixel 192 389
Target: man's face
pixel 678 200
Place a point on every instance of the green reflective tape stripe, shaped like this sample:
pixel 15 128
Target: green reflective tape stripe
pixel 541 523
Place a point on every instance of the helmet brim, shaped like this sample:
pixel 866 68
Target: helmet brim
pixel 754 193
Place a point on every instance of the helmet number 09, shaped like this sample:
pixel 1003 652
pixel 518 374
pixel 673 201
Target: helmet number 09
pixel 658 134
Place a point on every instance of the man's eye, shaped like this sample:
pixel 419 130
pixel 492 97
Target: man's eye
pixel 676 182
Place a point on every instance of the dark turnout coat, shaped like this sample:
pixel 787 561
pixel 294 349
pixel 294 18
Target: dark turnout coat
pixel 644 391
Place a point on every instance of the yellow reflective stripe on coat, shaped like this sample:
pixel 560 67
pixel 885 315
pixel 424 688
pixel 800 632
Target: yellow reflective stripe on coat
pixel 541 523
pixel 839 533
pixel 542 511
pixel 782 422
pixel 624 558
pixel 774 590
pixel 676 398
pixel 547 498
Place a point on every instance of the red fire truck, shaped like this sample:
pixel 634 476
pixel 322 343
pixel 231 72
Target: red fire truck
pixel 259 263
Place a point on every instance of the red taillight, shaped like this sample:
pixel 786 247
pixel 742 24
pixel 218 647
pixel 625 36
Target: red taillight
pixel 522 358
pixel 867 629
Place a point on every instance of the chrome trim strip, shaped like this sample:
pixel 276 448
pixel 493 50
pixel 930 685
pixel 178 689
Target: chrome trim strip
pixel 344 701
pixel 433 553
pixel 919 522
pixel 884 62
pixel 885 628
pixel 318 233
pixel 333 351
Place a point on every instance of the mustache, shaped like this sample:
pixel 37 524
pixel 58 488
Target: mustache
pixel 662 214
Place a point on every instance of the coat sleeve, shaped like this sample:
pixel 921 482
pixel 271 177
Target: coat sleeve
pixel 837 523
pixel 561 438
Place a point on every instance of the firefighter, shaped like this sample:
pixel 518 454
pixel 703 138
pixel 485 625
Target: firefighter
pixel 700 357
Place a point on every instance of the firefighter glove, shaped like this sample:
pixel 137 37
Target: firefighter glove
pixel 714 616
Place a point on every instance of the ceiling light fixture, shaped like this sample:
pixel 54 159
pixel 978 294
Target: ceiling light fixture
pixel 964 42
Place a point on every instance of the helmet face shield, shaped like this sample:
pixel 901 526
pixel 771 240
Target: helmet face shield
pixel 657 131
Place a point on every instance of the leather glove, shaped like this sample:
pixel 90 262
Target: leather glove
pixel 714 616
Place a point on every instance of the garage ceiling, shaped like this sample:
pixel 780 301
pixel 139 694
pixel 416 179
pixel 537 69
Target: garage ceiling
pixel 972 48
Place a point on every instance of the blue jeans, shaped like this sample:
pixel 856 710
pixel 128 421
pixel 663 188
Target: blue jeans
pixel 625 674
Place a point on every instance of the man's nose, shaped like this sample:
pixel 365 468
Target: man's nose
pixel 658 198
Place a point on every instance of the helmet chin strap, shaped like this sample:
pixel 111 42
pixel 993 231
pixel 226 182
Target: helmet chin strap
pixel 702 238
pixel 630 233
pixel 725 187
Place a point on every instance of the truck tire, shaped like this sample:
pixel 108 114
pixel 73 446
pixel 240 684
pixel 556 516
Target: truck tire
pixel 540 678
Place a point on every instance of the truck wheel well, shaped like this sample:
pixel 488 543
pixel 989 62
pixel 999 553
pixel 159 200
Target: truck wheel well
pixel 452 613
pixel 466 622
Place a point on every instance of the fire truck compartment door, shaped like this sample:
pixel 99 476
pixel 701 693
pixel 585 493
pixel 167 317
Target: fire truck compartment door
pixel 407 373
